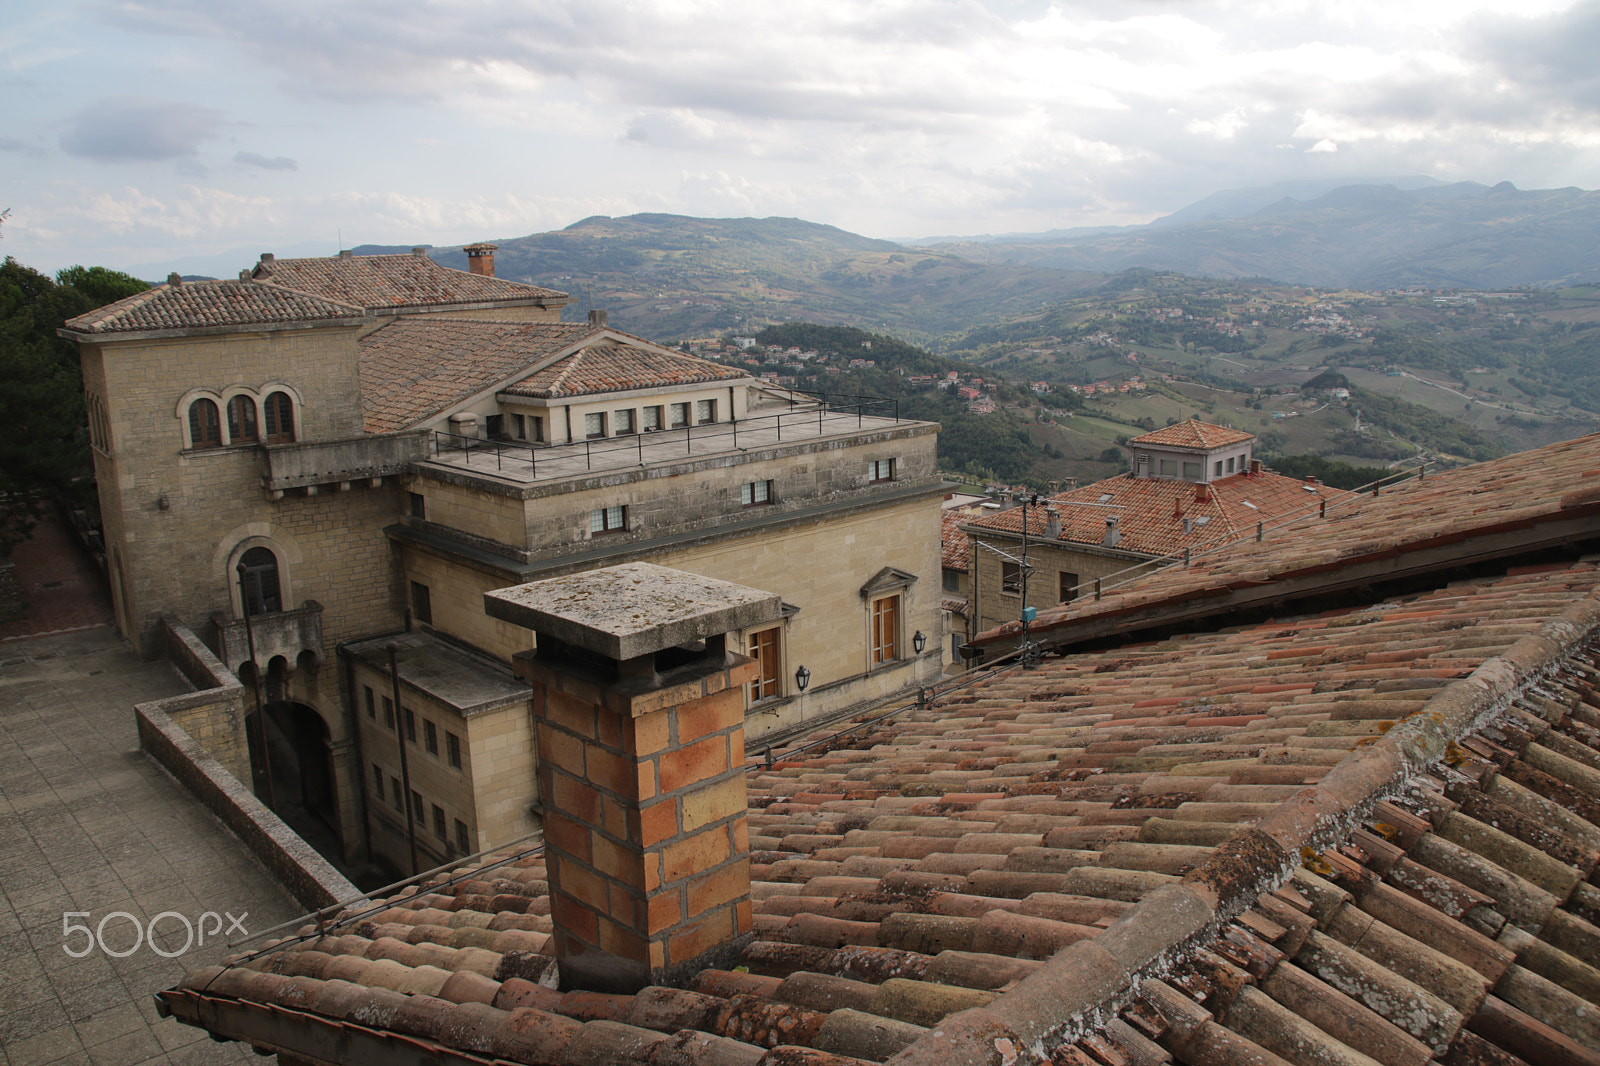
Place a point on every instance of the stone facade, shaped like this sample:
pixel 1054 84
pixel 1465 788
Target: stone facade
pixel 388 512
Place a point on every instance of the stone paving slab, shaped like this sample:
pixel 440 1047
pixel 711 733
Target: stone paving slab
pixel 89 824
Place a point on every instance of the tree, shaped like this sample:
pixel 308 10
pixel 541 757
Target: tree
pixel 44 451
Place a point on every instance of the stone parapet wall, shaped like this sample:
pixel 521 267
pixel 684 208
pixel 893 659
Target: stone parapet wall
pixel 213 715
pixel 308 876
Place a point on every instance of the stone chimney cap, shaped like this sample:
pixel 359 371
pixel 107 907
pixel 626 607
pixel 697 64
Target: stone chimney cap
pixel 623 612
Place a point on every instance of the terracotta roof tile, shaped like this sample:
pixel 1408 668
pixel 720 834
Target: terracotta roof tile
pixel 414 368
pixel 619 367
pixel 1194 434
pixel 1161 516
pixel 389 282
pixel 1422 514
pixel 211 304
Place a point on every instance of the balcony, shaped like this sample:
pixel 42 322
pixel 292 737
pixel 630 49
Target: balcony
pixel 286 633
pixel 815 419
pixel 311 464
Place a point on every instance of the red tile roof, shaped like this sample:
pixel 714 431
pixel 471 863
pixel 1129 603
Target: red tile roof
pixel 954 548
pixel 388 282
pixel 1546 496
pixel 414 368
pixel 210 304
pixel 1151 512
pixel 1365 835
pixel 617 367
pixel 1193 434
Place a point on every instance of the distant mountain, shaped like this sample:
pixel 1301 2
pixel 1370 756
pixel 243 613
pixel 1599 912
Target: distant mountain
pixel 1461 235
pixel 672 276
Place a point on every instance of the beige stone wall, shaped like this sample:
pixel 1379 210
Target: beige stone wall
pixel 177 518
pixel 679 498
pixel 474 510
pixel 490 793
pixel 456 593
pixel 993 607
pixel 818 565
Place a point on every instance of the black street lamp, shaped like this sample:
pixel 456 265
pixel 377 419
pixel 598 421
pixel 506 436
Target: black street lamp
pixel 802 678
pixel 919 641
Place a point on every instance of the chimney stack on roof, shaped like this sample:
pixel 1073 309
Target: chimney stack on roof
pixel 597 318
pixel 1255 466
pixel 1202 493
pixel 267 257
pixel 1112 537
pixel 346 253
pixel 639 704
pixel 480 258
pixel 420 252
pixel 1052 525
pixel 174 279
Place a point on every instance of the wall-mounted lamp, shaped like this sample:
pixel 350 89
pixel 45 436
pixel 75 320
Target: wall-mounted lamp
pixel 802 678
pixel 919 641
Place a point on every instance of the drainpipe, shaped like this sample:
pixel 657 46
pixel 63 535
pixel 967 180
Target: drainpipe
pixel 353 716
pixel 405 764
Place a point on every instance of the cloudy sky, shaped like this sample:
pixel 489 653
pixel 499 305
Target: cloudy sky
pixel 145 132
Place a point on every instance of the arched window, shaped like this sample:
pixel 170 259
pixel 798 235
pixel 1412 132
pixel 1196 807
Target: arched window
pixel 241 420
pixel 205 425
pixel 280 418
pixel 261 595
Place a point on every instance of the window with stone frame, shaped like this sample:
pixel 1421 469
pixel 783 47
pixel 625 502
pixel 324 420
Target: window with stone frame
pixel 279 410
pixel 764 645
pixel 885 630
pixel 242 420
pixel 608 520
pixel 205 424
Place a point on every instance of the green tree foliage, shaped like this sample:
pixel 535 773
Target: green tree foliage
pixel 44 451
pixel 981 445
pixel 1328 379
pixel 1328 471
pixel 1423 426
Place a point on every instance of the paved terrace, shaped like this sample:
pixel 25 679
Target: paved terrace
pixel 519 462
pixel 89 824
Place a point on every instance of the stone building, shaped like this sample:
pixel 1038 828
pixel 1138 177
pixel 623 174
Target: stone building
pixel 1192 486
pixel 351 451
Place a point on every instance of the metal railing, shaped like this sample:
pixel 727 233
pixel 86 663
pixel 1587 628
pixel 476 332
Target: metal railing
pixel 805 410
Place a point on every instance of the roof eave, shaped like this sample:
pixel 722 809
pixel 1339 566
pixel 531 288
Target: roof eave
pixel 98 337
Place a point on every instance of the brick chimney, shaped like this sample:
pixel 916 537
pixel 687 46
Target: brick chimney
pixel 597 318
pixel 639 708
pixel 1202 493
pixel 480 258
